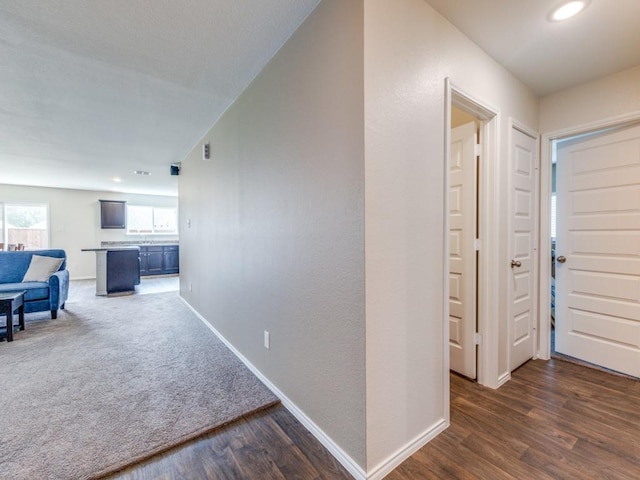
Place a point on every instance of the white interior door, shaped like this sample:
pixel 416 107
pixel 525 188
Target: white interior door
pixel 462 260
pixel 522 204
pixel 598 249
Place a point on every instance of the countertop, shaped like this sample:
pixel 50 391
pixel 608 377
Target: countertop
pixel 154 243
pixel 111 249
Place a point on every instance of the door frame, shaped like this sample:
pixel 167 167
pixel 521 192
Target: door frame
pixel 488 216
pixel 544 229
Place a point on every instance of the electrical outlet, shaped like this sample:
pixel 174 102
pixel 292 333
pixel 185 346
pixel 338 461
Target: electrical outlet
pixel 266 340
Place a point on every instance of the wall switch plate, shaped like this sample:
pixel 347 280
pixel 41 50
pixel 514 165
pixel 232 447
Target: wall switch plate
pixel 190 286
pixel 266 340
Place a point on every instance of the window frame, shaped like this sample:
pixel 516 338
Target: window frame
pixel 4 230
pixel 153 230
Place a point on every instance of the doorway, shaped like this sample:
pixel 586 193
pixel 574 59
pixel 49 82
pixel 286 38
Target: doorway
pixel 471 303
pixel 463 243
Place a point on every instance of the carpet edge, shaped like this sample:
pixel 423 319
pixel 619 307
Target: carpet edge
pixel 179 441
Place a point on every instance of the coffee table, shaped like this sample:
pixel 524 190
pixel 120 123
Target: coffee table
pixel 9 303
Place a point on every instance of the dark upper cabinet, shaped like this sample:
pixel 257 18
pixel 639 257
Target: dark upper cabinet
pixel 112 214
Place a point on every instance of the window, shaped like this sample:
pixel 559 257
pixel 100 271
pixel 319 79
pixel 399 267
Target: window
pixel 24 226
pixel 165 220
pixel 143 220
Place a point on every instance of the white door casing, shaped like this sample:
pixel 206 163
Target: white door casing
pixel 598 249
pixel 522 247
pixel 462 252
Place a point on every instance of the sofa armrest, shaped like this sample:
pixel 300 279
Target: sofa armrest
pixel 58 288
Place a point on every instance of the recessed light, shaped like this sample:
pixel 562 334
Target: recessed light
pixel 141 172
pixel 568 10
pixel 116 179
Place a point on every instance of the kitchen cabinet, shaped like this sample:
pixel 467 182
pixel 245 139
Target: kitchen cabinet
pixel 117 269
pixel 159 259
pixel 171 259
pixel 112 214
pixel 123 273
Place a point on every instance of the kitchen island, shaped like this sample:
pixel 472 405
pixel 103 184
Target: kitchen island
pixel 157 257
pixel 117 269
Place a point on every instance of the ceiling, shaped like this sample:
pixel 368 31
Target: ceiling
pixel 550 56
pixel 91 91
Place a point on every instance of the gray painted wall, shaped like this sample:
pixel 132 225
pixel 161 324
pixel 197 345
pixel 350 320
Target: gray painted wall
pixel 276 239
pixel 276 236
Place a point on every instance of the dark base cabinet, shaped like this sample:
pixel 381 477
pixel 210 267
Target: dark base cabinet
pixel 171 259
pixel 159 259
pixel 154 261
pixel 122 271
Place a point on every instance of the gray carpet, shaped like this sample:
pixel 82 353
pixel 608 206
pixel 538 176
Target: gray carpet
pixel 112 381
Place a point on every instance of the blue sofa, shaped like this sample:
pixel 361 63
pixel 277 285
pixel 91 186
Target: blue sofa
pixel 39 296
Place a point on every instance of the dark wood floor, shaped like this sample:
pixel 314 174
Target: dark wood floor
pixel 268 445
pixel 553 420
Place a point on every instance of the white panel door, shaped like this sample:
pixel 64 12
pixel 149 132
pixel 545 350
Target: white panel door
pixel 522 207
pixel 598 249
pixel 462 260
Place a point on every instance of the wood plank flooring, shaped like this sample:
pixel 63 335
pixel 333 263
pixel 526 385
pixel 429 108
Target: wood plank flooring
pixel 270 444
pixel 553 420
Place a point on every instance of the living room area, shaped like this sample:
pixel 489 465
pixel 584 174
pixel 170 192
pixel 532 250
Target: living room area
pixel 117 379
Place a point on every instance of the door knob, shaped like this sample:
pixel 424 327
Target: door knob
pixel 516 263
pixel 561 259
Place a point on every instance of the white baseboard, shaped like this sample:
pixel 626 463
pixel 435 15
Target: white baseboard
pixel 347 462
pixel 388 465
pixel 504 378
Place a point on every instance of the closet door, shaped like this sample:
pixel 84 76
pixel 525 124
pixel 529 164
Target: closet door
pixel 598 249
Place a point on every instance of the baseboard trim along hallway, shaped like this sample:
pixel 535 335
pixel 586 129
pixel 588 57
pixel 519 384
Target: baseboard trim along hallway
pixel 347 462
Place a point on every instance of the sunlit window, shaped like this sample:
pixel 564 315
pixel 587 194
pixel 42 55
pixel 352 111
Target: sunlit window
pixel 24 226
pixel 144 220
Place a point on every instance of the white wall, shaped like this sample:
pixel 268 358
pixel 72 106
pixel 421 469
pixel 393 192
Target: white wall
pixel 74 217
pixel 277 223
pixel 409 51
pixel 606 98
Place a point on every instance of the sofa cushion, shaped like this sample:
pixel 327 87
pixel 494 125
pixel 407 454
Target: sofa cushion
pixel 41 268
pixel 13 265
pixel 34 290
